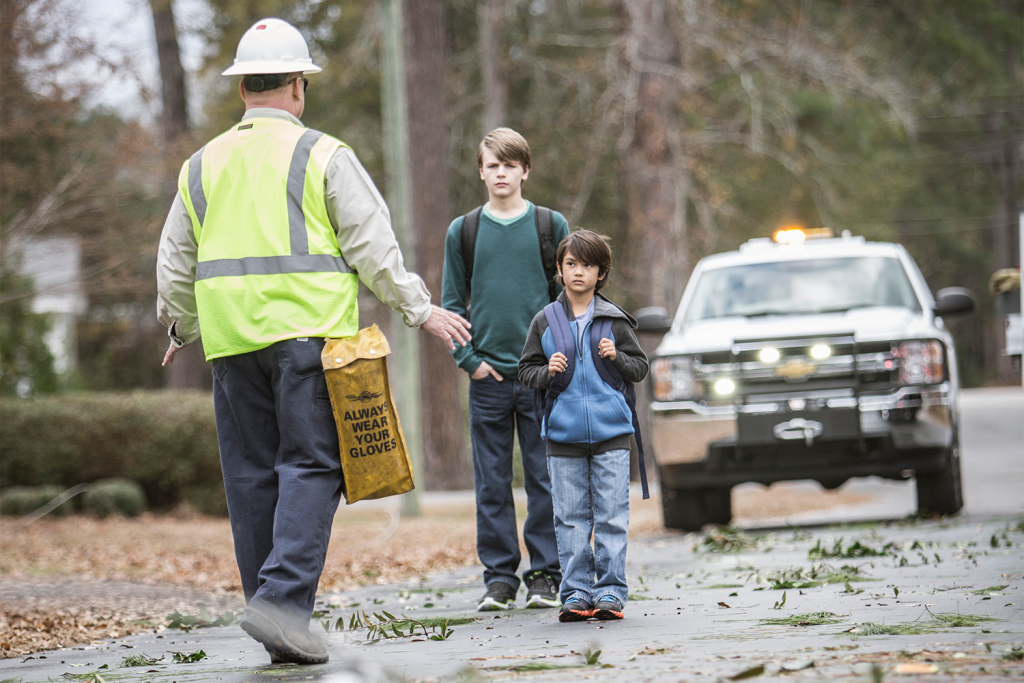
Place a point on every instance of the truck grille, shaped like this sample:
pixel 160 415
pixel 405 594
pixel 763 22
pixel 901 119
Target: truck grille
pixel 850 364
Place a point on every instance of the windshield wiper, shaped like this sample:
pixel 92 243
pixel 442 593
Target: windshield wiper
pixel 761 314
pixel 844 309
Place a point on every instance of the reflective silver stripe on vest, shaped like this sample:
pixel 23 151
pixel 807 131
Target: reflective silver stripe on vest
pixel 296 185
pixel 271 265
pixel 195 185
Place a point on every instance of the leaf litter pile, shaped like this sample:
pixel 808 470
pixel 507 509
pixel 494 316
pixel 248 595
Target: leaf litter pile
pixel 75 580
pixel 71 581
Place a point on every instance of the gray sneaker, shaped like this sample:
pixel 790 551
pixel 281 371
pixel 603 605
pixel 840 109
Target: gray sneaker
pixel 499 596
pixel 541 591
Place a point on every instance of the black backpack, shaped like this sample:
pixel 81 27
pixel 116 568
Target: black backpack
pixel 565 343
pixel 545 234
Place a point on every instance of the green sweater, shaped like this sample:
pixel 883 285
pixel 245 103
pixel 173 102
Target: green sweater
pixel 508 288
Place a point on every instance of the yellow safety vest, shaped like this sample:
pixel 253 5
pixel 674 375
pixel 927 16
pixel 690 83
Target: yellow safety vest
pixel 269 265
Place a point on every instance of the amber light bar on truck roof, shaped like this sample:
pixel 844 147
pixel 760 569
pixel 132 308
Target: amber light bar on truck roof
pixel 792 234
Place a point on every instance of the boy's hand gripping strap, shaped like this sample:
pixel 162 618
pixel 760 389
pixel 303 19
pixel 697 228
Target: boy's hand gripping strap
pixel 602 329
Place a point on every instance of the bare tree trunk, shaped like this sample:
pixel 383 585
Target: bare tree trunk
pixel 1002 129
pixel 491 23
pixel 174 119
pixel 655 179
pixel 656 261
pixel 445 462
pixel 1001 125
pixel 190 369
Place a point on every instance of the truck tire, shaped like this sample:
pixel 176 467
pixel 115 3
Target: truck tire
pixel 940 492
pixel 692 509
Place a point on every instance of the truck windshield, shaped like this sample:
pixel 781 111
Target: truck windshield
pixel 801 287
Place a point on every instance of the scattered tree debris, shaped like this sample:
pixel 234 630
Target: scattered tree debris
pixel 187 622
pixel 857 549
pixel 188 657
pixel 937 622
pixel 139 660
pixel 385 626
pixel 727 539
pixel 809 619
pixel 752 672
pixel 960 620
pixel 809 577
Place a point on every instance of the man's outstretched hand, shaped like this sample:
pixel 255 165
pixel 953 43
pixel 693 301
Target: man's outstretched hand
pixel 449 326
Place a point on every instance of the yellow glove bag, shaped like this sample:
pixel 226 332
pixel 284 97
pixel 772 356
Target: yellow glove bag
pixel 374 456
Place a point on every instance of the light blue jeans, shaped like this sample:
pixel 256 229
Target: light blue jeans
pixel 591 494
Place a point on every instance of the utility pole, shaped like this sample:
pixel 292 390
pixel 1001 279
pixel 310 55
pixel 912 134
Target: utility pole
pixel 404 340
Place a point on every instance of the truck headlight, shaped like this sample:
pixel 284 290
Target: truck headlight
pixel 821 351
pixel 921 362
pixel 673 378
pixel 725 386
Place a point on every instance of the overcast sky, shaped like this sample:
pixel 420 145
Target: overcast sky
pixel 125 27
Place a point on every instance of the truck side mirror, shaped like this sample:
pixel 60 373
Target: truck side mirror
pixel 653 320
pixel 953 301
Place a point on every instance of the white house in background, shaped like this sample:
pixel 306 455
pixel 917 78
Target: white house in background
pixel 55 266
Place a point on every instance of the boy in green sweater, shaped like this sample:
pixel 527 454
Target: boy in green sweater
pixel 507 287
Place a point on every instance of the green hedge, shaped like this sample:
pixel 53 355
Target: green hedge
pixel 18 501
pixel 166 441
pixel 114 497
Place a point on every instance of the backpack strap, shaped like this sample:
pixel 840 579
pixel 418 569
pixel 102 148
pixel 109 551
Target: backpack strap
pixel 548 248
pixel 600 329
pixel 470 223
pixel 561 333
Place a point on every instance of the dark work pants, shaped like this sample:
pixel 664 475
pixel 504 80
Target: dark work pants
pixel 495 410
pixel 282 471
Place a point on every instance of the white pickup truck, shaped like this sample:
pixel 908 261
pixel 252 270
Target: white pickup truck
pixel 804 357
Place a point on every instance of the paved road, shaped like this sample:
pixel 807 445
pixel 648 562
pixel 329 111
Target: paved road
pixel 992 455
pixel 696 615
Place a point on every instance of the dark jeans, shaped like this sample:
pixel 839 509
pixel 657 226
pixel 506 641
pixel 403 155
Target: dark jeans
pixel 496 409
pixel 282 471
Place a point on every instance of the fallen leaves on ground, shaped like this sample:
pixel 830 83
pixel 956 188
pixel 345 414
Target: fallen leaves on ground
pixel 27 630
pixel 196 554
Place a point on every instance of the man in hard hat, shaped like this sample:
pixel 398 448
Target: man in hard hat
pixel 272 229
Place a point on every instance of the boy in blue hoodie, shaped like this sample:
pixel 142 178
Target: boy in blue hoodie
pixel 587 429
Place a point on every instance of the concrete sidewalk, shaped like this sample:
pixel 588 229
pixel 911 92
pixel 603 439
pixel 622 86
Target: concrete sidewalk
pixel 693 615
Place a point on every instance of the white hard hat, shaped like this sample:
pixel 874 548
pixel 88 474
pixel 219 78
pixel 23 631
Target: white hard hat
pixel 272 46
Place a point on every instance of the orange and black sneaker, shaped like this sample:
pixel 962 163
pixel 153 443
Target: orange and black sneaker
pixel 575 609
pixel 608 608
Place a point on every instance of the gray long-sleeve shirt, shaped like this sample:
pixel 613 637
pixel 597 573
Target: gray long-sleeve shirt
pixel 361 222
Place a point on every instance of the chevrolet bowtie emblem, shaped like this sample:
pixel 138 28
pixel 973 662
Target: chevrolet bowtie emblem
pixel 796 369
pixel 799 428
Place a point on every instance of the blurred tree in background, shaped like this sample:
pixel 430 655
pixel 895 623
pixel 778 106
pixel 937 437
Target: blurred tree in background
pixel 72 170
pixel 26 364
pixel 686 128
pixel 680 128
pixel 961 175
